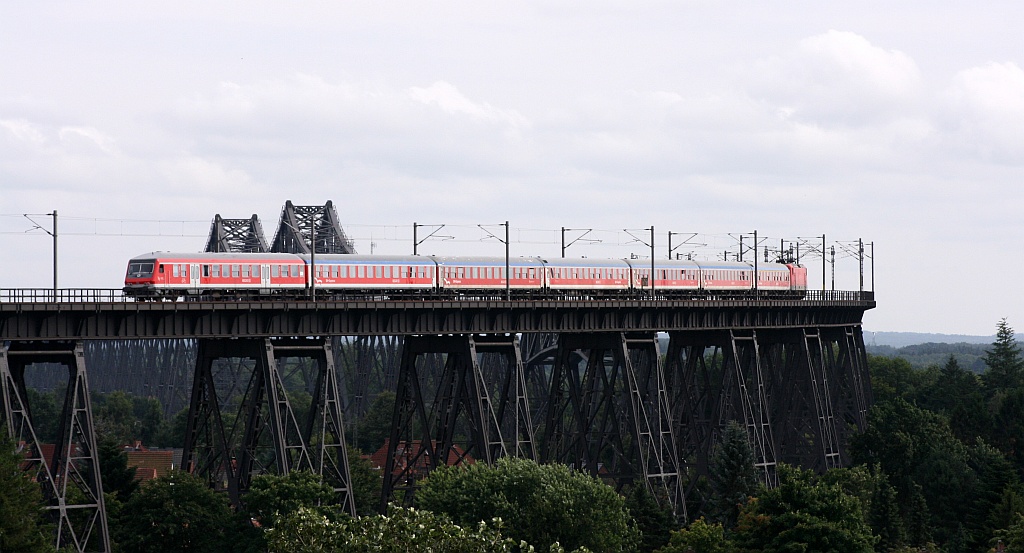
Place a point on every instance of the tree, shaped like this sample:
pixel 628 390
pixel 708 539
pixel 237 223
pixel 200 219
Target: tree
pixel 654 521
pixel 959 395
pixel 698 537
pixel 367 482
pixel 271 496
pixel 733 475
pixel 894 377
pixel 920 454
pixel 400 531
pixel 884 515
pixel 375 426
pixel 803 514
pixel 1005 366
pixel 117 477
pixel 176 512
pixel 23 526
pixel 539 504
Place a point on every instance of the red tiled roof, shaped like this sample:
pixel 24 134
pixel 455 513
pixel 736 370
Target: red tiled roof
pixel 407 452
pixel 150 464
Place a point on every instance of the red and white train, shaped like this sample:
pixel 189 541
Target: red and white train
pixel 162 275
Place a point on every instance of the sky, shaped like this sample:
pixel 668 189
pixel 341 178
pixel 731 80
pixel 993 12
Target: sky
pixel 897 123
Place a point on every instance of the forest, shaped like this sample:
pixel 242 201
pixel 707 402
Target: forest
pixel 939 468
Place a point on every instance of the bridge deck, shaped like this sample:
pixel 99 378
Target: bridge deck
pixel 80 315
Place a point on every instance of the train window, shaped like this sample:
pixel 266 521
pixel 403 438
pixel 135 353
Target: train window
pixel 174 270
pixel 215 271
pixel 256 271
pixel 245 271
pixel 206 271
pixel 234 271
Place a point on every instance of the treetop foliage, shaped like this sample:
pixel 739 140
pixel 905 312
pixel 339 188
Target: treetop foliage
pixel 400 531
pixel 539 504
pixel 22 525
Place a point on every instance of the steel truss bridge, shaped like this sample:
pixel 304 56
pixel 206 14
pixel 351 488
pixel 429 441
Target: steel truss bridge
pixel 636 392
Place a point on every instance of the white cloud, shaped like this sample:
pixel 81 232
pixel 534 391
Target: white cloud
pixel 840 79
pixel 984 107
pixel 451 101
pixel 72 137
pixel 23 131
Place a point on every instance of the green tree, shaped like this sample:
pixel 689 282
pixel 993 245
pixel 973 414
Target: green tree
pixel 271 496
pixel 22 523
pixel 400 531
pixel 177 512
pixel 654 521
pixel 894 377
pixel 366 483
pixel 539 504
pixel 1009 509
pixel 994 475
pixel 117 477
pixel 699 537
pixel 375 426
pixel 1005 366
pixel 803 514
pixel 917 450
pixel 884 515
pixel 959 394
pixel 733 475
pixel 114 417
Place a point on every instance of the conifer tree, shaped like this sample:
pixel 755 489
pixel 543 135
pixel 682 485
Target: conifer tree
pixel 22 525
pixel 1005 365
pixel 733 476
pixel 884 515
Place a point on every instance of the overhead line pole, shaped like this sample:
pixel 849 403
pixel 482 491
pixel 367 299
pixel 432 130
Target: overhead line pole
pixel 54 235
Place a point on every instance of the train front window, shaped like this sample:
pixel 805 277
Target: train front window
pixel 140 270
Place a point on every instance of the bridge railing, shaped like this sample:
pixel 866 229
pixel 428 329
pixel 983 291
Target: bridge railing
pixel 62 295
pixel 839 295
pixel 113 295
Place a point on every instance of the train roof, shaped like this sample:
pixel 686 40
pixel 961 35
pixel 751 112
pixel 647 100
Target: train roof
pixel 487 260
pixel 212 257
pixel 585 262
pixel 369 259
pixel 742 265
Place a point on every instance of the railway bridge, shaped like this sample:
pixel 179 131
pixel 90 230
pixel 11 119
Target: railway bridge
pixel 634 391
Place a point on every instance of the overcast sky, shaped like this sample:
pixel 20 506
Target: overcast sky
pixel 901 123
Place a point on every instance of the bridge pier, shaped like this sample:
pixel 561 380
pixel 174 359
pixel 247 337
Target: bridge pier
pixel 267 435
pixel 800 393
pixel 485 402
pixel 70 477
pixel 592 425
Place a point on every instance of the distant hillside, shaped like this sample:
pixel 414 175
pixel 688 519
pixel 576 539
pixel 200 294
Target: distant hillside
pixel 900 339
pixel 969 356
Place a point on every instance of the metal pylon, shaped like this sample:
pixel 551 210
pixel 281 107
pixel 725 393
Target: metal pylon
pixel 70 477
pixel 746 362
pixel 814 354
pixel 432 410
pixel 611 417
pixel 266 435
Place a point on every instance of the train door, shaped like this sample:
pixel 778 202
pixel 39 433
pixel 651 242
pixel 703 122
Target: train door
pixel 265 278
pixel 193 278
